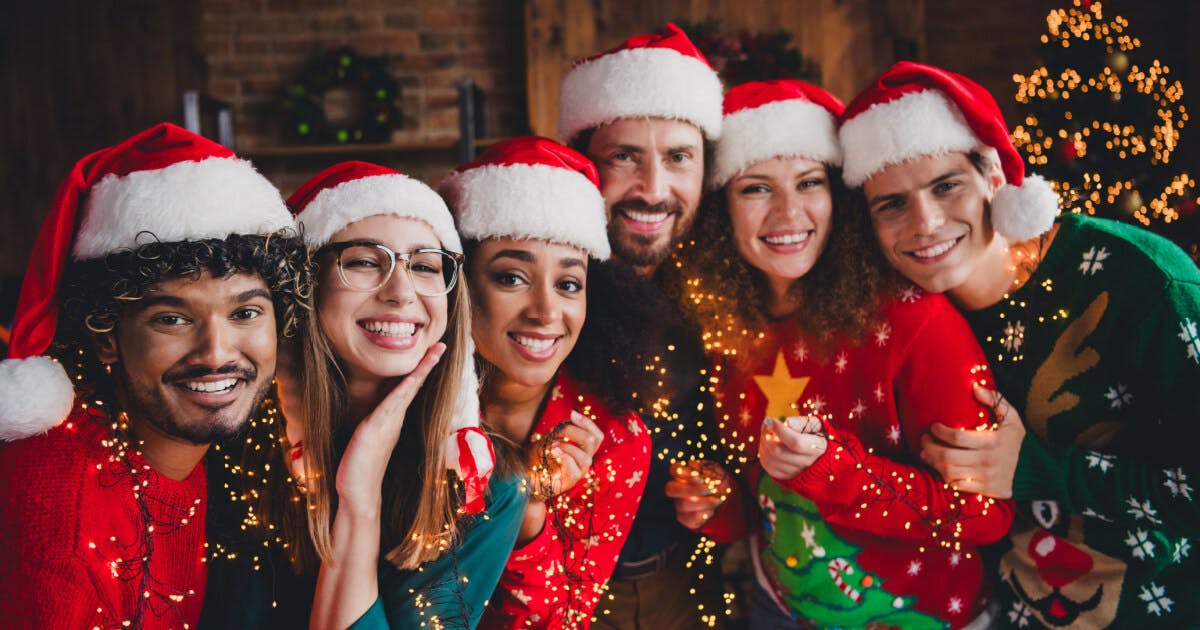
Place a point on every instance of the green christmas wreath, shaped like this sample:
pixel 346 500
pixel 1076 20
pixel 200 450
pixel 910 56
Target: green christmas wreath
pixel 341 97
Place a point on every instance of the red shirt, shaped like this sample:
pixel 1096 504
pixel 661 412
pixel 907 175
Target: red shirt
pixel 877 398
pixel 555 580
pixel 93 538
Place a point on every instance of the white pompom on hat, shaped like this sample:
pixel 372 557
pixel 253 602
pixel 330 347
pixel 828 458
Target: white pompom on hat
pixel 164 183
pixel 915 111
pixel 530 187
pixel 657 75
pixel 779 118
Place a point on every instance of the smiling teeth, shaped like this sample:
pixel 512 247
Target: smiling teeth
pixel 391 329
pixel 208 387
pixel 537 345
pixel 935 250
pixel 646 217
pixel 787 239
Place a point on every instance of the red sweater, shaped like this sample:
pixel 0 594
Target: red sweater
pixel 75 519
pixel 876 505
pixel 555 580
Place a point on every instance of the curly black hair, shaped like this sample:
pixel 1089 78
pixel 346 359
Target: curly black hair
pixel 94 292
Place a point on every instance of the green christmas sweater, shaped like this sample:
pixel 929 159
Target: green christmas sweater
pixel 1100 352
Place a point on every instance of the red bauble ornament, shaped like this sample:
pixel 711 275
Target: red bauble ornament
pixel 1065 149
pixel 1188 207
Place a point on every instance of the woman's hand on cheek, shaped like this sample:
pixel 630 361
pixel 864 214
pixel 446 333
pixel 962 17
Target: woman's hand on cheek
pixel 360 473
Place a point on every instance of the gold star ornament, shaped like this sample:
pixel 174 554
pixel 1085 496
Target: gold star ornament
pixel 781 389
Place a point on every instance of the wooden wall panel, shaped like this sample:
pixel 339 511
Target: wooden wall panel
pixel 80 75
pixel 850 40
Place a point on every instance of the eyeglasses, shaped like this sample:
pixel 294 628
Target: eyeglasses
pixel 367 266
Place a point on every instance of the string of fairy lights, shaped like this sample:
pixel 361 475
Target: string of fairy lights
pixel 723 337
pixel 1060 137
pixel 245 484
pixel 573 515
pixel 155 517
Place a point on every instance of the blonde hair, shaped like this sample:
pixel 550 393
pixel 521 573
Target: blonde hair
pixel 417 526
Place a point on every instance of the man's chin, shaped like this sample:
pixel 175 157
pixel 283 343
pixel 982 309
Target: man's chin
pixel 202 424
pixel 639 251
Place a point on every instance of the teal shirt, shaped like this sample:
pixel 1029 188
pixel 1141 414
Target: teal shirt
pixel 455 588
pixel 241 597
pixel 1100 353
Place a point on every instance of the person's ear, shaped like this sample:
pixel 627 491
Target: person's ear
pixel 995 178
pixel 106 347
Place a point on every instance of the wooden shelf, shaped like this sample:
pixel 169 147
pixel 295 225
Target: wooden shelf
pixel 359 149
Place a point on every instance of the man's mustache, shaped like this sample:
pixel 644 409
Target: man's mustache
pixel 637 205
pixel 193 372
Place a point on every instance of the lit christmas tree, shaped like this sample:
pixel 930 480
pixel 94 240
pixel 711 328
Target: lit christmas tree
pixel 1104 126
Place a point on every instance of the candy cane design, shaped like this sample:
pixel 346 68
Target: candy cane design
pixel 769 506
pixel 837 567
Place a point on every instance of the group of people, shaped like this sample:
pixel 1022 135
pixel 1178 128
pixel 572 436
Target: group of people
pixel 860 336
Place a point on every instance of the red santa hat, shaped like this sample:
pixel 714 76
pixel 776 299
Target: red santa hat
pixel 352 191
pixel 770 119
pixel 165 184
pixel 914 111
pixel 660 75
pixel 530 187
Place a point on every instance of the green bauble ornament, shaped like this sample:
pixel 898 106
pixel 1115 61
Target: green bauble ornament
pixel 1130 202
pixel 1118 61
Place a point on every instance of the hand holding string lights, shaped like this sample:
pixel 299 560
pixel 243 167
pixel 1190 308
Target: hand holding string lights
pixel 699 488
pixel 560 459
pixel 788 448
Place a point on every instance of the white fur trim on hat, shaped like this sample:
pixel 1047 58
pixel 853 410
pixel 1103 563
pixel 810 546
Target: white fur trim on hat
pixel 533 201
pixel 36 395
pixel 185 201
pixel 1022 212
pixel 335 208
pixel 640 83
pixel 919 124
pixel 466 408
pixel 791 128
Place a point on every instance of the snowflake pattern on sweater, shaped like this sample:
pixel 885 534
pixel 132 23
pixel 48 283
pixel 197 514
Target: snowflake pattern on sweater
pixel 556 579
pixel 1105 381
pixel 867 534
pixel 95 537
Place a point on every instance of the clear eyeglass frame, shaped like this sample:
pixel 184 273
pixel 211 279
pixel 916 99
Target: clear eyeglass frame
pixel 422 285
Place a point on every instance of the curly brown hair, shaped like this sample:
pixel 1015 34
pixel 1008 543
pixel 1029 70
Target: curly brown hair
pixel 728 298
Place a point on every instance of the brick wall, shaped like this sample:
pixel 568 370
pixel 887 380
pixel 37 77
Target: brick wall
pixel 253 48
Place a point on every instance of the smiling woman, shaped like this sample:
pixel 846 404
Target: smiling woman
pixel 391 527
pixel 534 217
pixel 824 366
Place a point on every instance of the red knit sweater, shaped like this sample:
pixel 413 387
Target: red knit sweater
pixel 94 539
pixel 877 503
pixel 555 580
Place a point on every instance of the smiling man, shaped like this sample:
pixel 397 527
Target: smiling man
pixel 645 112
pixel 161 279
pixel 1091 328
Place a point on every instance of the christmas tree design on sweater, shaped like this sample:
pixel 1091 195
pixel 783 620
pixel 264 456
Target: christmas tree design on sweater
pixel 867 536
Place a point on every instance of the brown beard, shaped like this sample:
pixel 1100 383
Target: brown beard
pixel 647 250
